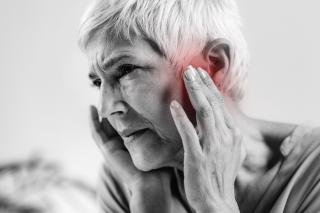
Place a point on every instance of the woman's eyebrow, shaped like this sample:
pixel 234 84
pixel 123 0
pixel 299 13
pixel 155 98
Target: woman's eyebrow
pixel 106 64
pixel 92 75
pixel 112 61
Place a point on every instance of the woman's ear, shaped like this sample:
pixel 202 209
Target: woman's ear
pixel 217 55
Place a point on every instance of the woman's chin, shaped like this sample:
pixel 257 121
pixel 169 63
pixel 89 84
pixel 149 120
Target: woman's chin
pixel 150 151
pixel 145 168
pixel 144 164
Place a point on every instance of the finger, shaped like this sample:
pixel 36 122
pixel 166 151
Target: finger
pixel 186 130
pixel 112 148
pixel 95 126
pixel 114 140
pixel 108 129
pixel 199 101
pixel 207 80
pixel 215 97
pixel 106 144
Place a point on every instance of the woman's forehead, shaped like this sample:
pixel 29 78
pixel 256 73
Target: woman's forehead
pixel 103 47
pixel 100 49
pixel 103 54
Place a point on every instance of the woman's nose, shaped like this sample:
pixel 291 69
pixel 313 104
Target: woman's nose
pixel 111 103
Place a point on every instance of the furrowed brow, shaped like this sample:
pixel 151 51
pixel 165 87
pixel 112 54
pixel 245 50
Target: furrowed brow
pixel 105 65
pixel 111 62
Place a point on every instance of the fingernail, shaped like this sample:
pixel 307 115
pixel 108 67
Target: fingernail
pixel 203 73
pixel 190 73
pixel 174 105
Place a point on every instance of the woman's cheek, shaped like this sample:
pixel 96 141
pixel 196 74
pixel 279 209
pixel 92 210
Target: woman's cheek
pixel 141 97
pixel 150 99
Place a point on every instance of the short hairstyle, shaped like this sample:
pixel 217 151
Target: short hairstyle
pixel 179 28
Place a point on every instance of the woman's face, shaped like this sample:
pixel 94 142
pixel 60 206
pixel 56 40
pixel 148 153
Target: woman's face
pixel 136 85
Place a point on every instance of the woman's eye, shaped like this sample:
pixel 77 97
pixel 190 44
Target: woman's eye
pixel 96 83
pixel 125 69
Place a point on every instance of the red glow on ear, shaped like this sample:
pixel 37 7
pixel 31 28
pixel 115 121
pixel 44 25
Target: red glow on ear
pixel 186 103
pixel 196 62
pixel 199 62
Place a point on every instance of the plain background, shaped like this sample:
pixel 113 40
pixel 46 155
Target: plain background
pixel 45 93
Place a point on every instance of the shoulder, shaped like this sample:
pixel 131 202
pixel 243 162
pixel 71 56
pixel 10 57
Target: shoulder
pixel 301 142
pixel 304 161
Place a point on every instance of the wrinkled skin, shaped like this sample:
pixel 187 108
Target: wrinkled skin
pixel 135 93
pixel 140 99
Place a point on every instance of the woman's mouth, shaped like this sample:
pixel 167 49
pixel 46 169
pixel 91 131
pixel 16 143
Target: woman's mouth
pixel 135 135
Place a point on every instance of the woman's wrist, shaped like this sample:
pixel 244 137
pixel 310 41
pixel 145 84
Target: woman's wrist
pixel 150 181
pixel 150 194
pixel 218 206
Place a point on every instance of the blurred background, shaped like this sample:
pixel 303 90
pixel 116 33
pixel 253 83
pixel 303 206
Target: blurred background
pixel 45 93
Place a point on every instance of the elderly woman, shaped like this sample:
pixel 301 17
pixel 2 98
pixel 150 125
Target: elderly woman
pixel 171 75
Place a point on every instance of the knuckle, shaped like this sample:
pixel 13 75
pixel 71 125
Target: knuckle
pixel 204 112
pixel 207 81
pixel 194 86
pixel 188 136
pixel 213 103
pixel 184 129
pixel 221 99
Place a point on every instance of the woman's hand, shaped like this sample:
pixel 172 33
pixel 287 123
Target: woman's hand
pixel 213 155
pixel 150 191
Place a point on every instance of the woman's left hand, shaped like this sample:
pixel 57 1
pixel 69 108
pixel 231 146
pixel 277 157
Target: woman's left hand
pixel 212 155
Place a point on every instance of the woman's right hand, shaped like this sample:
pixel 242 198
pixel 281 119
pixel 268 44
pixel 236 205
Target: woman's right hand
pixel 150 191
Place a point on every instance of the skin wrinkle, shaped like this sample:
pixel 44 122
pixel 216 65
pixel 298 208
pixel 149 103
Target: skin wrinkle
pixel 132 90
pixel 158 130
pixel 147 97
pixel 147 103
pixel 166 98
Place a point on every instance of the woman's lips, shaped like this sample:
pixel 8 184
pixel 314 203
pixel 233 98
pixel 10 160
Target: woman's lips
pixel 134 135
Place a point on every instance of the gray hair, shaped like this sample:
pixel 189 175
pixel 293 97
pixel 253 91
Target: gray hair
pixel 181 29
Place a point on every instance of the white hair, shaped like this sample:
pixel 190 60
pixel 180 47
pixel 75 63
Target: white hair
pixel 180 28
